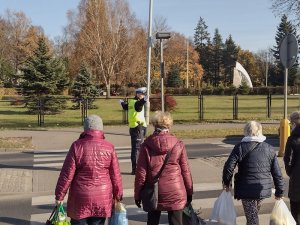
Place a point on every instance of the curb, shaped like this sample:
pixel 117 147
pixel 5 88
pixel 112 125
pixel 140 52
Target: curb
pixel 7 150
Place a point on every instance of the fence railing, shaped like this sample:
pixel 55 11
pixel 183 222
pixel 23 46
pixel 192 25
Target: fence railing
pixel 14 113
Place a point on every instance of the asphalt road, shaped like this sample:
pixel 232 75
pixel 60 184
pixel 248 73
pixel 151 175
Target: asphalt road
pixel 17 208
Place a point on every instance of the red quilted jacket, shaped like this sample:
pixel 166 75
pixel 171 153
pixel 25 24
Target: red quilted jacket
pixel 91 171
pixel 175 182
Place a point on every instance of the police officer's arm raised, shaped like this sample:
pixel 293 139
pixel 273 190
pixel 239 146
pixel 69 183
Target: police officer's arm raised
pixel 138 106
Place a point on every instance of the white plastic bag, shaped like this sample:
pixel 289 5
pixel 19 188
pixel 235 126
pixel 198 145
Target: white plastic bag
pixel 224 211
pixel 119 215
pixel 281 214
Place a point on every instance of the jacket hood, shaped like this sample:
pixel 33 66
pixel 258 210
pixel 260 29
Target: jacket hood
pixel 92 134
pixel 161 142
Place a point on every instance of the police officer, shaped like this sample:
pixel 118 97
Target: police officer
pixel 137 122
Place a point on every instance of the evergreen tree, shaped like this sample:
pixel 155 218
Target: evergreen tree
pixel 285 27
pixel 201 35
pixel 43 78
pixel 206 59
pixel 217 56
pixel 83 88
pixel 174 79
pixel 203 47
pixel 230 54
pixel 244 89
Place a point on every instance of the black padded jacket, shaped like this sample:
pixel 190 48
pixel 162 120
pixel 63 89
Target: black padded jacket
pixel 292 164
pixel 257 165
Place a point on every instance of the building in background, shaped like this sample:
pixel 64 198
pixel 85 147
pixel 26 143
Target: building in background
pixel 241 75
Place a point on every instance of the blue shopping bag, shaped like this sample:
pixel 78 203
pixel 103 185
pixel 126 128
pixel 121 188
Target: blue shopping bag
pixel 119 215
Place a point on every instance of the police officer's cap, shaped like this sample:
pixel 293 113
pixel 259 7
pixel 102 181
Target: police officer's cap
pixel 141 90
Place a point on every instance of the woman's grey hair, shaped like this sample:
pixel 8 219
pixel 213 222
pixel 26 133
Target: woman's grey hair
pixel 93 122
pixel 295 117
pixel 162 120
pixel 253 128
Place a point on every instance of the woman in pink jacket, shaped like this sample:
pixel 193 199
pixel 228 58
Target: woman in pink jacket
pixel 175 185
pixel 92 175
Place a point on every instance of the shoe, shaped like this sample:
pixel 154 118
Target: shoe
pixel 133 172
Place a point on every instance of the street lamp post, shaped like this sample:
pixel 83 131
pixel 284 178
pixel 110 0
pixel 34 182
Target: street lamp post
pixel 267 68
pixel 187 63
pixel 160 36
pixel 147 116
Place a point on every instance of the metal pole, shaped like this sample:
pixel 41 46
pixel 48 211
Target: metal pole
pixel 187 64
pixel 285 93
pixel 267 71
pixel 147 116
pixel 162 75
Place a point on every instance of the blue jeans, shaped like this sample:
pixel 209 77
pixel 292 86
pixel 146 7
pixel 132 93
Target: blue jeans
pixel 89 221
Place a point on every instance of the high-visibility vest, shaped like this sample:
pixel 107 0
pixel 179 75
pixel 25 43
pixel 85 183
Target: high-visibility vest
pixel 135 118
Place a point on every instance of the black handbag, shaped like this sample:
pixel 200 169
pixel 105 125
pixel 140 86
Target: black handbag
pixel 190 217
pixel 149 193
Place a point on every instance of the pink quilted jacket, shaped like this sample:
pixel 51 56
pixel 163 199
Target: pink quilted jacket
pixel 91 171
pixel 175 182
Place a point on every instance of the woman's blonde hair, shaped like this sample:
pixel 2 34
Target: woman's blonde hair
pixel 295 117
pixel 162 120
pixel 253 128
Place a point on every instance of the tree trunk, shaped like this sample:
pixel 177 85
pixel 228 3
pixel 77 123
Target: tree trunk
pixel 108 89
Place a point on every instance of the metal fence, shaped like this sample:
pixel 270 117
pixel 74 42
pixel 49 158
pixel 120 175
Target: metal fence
pixel 14 114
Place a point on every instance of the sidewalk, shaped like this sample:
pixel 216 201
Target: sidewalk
pixel 58 139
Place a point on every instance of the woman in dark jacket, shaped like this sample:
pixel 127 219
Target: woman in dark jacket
pixel 257 165
pixel 292 165
pixel 175 186
pixel 91 171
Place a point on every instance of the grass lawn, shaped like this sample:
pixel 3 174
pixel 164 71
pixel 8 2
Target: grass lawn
pixel 16 143
pixel 216 109
pixel 220 108
pixel 268 130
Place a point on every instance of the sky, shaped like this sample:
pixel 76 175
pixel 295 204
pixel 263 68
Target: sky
pixel 251 23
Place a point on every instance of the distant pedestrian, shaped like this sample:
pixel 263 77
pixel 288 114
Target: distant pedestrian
pixel 137 122
pixel 257 165
pixel 92 175
pixel 175 185
pixel 292 165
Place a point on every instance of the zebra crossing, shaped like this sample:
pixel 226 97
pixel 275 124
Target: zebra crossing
pixel 204 197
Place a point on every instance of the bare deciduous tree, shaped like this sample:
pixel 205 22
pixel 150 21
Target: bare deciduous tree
pixel 288 7
pixel 106 32
pixel 18 25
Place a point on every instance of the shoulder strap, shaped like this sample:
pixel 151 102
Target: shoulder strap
pixel 156 177
pixel 249 151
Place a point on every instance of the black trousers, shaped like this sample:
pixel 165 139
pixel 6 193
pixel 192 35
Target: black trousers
pixel 137 137
pixel 89 221
pixel 174 217
pixel 295 210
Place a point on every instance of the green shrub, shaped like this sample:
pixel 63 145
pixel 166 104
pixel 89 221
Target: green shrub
pixel 220 90
pixel 244 89
pixel 208 90
pixel 230 90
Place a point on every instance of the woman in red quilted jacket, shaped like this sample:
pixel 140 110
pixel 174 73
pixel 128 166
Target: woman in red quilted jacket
pixel 92 175
pixel 175 185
